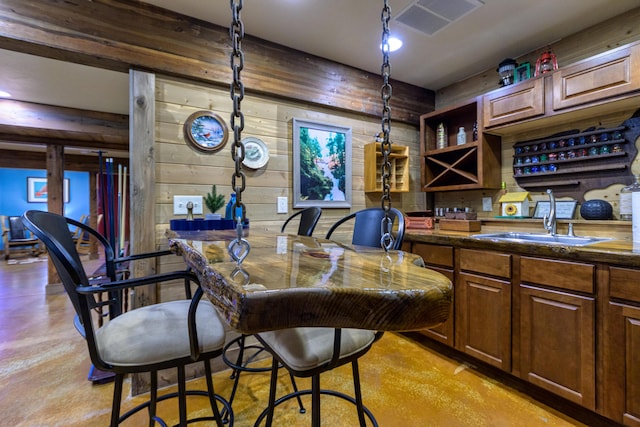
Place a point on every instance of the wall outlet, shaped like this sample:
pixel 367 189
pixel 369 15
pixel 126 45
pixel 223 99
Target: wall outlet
pixel 486 204
pixel 180 204
pixel 283 205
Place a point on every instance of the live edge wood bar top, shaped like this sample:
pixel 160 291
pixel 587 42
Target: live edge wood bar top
pixel 293 281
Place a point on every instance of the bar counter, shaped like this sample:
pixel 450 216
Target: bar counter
pixel 294 281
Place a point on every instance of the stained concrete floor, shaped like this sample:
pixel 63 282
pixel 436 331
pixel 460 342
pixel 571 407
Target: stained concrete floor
pixel 44 365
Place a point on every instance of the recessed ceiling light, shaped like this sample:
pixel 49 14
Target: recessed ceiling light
pixel 393 44
pixel 4 94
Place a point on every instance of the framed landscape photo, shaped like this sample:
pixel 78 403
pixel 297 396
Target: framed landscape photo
pixel 37 190
pixel 321 165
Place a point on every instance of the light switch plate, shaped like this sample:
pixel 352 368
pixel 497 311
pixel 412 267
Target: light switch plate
pixel 486 204
pixel 283 205
pixel 180 204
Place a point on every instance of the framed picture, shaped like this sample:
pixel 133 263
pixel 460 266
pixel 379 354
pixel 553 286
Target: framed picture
pixel 564 209
pixel 205 131
pixel 522 72
pixel 321 165
pixel 37 190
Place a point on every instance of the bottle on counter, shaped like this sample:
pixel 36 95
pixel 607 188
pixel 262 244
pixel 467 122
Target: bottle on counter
pixel 228 214
pixel 625 199
pixel 462 136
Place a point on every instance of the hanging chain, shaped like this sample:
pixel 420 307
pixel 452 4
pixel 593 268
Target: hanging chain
pixel 238 248
pixel 386 240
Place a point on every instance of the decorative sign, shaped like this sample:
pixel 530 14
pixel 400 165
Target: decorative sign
pixel 564 209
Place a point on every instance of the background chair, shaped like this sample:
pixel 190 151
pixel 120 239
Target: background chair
pixel 308 220
pixel 147 339
pixel 17 238
pixel 308 352
pixel 367 229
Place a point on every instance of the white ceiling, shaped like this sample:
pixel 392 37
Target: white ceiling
pixel 346 31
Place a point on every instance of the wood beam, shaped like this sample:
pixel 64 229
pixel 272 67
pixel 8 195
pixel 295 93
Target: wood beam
pixel 120 35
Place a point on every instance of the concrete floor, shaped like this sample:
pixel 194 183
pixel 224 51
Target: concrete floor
pixel 44 366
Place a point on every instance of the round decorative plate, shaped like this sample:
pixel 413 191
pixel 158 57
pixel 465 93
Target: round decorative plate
pixel 256 153
pixel 205 131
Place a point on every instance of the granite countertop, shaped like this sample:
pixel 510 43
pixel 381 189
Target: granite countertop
pixel 618 252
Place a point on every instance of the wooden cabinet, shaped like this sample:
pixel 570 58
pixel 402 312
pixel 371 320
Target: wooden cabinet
pixel 515 102
pixel 622 347
pixel 557 328
pixel 440 259
pixel 483 306
pixel 610 74
pixel 399 171
pixel 473 165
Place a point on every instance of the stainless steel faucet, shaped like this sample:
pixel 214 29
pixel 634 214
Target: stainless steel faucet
pixel 550 220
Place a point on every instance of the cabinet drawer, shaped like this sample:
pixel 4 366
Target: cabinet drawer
pixel 610 74
pixel 572 276
pixel 624 283
pixel 434 254
pixel 491 263
pixel 516 102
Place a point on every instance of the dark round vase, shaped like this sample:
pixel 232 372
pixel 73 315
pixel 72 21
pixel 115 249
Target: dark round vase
pixel 596 209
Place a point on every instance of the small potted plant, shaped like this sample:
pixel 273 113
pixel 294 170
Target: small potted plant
pixel 213 201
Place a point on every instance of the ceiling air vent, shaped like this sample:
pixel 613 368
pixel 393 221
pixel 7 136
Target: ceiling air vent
pixel 431 16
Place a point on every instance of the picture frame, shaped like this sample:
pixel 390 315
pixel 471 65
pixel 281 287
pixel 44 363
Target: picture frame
pixel 205 131
pixel 321 165
pixel 522 72
pixel 37 190
pixel 564 209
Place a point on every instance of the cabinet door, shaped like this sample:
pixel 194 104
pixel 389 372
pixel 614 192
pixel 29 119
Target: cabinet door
pixel 613 73
pixel 440 259
pixel 557 343
pixel 516 102
pixel 622 366
pixel 483 319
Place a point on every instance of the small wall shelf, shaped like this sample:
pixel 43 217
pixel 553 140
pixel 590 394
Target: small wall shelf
pixel 373 159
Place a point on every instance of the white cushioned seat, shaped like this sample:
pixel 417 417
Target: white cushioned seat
pixel 159 332
pixel 303 349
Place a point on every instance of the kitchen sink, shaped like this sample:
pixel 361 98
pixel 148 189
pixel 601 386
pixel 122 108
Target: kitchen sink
pixel 546 239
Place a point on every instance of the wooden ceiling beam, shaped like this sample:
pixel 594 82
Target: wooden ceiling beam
pixel 121 35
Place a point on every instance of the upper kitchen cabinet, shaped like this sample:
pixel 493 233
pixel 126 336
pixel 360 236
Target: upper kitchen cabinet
pixel 515 102
pixel 603 84
pixel 610 74
pixel 450 166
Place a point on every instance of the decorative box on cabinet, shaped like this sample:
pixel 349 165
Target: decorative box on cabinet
pixel 557 328
pixel 622 347
pixel 483 306
pixel 473 165
pixel 440 259
pixel 613 73
pixel 520 101
pixel 373 159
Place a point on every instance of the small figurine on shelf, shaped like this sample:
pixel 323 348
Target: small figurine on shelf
pixel 475 132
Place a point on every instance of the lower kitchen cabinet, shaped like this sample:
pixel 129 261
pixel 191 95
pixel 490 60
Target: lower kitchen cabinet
pixel 622 347
pixel 483 306
pixel 557 328
pixel 557 343
pixel 440 259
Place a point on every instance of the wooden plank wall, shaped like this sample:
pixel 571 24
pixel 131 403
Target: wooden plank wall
pixel 181 170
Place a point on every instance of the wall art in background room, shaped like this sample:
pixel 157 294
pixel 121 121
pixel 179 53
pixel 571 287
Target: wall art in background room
pixel 321 165
pixel 37 190
pixel 206 131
